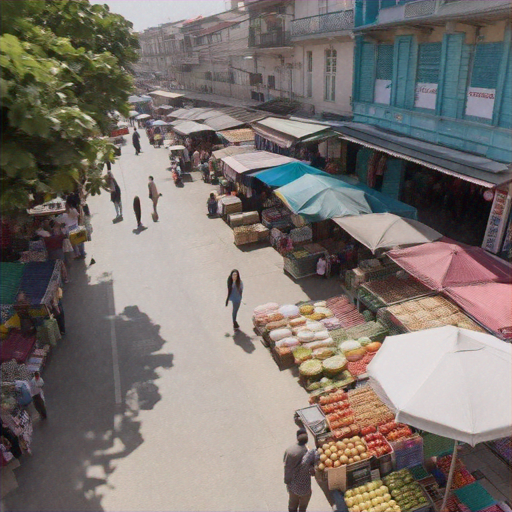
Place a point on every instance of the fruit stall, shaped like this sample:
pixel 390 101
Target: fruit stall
pixel 364 456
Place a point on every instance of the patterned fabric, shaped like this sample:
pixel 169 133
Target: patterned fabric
pixel 301 480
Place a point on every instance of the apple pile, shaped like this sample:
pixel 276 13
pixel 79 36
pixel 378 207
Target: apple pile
pixel 339 453
pixel 371 497
pixel 394 431
pixel 376 442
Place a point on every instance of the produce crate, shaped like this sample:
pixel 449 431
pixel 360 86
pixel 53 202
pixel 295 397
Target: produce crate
pixel 408 451
pixel 235 219
pixel 301 267
pixel 393 290
pixel 244 235
pixel 262 231
pixel 350 475
pixel 474 496
pixel 373 330
pixel 431 488
pixel 283 358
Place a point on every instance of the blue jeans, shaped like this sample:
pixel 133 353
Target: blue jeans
pixel 236 307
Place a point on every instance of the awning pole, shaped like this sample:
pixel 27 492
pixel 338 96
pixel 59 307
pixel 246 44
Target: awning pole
pixel 450 476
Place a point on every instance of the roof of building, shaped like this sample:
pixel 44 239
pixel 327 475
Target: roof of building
pixel 216 28
pixel 240 135
pixel 166 94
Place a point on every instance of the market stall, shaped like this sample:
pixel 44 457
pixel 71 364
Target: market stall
pixel 317 198
pixel 488 303
pixel 385 231
pixel 284 174
pixel 447 263
pixel 449 381
pixel 242 136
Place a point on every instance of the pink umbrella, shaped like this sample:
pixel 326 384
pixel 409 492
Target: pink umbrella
pixel 446 263
pixel 488 303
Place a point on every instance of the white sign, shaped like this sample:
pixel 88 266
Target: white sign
pixel 382 91
pixel 480 102
pixel 425 95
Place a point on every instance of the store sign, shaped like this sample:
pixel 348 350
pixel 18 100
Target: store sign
pixel 382 91
pixel 480 102
pixel 497 222
pixel 425 96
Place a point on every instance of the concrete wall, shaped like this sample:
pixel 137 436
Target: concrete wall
pixel 305 8
pixel 344 65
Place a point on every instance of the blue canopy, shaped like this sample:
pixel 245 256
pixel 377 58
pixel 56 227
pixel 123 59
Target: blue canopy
pixel 318 198
pixel 284 174
pixel 381 203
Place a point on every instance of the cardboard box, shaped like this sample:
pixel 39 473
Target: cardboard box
pixel 349 475
pixel 78 236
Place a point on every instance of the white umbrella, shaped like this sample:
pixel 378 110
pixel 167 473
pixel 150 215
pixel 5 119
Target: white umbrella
pixel 143 116
pixel 452 382
pixel 133 113
pixel 386 230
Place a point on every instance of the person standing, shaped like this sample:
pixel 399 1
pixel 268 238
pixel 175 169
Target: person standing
pixel 299 464
pixel 196 160
pixel 321 266
pixel 137 210
pixel 71 220
pixel 115 196
pixel 212 205
pixel 36 388
pixel 136 141
pixel 154 196
pixel 235 291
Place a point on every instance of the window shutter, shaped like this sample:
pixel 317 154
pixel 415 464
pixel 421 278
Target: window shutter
pixel 486 65
pixel 429 63
pixel 367 78
pixel 384 62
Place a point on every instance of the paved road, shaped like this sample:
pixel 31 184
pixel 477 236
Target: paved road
pixel 153 403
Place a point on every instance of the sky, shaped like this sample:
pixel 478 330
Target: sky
pixel 151 13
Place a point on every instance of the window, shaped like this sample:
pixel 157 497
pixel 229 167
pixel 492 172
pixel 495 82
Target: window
pixel 427 75
pixel 322 6
pixel 309 74
pixel 255 78
pixel 383 74
pixel 330 75
pixel 271 81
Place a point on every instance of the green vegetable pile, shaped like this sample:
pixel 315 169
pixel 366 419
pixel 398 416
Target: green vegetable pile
pixel 405 490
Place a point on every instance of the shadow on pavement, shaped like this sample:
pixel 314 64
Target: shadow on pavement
pixel 243 340
pixel 319 288
pixel 101 375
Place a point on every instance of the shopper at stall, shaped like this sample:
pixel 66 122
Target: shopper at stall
pixel 299 464
pixel 321 266
pixel 138 211
pixel 235 291
pixel 36 388
pixel 71 219
pixel 136 141
pixel 154 196
pixel 196 159
pixel 212 205
pixel 55 248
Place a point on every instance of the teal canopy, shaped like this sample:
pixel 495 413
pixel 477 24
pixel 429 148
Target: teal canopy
pixel 381 203
pixel 284 174
pixel 318 198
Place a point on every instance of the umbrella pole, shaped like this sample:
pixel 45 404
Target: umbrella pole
pixel 450 476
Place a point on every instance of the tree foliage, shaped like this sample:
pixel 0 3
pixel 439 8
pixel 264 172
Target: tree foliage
pixel 65 67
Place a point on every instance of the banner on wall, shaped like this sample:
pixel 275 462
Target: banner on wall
pixel 497 222
pixel 382 91
pixel 480 102
pixel 425 95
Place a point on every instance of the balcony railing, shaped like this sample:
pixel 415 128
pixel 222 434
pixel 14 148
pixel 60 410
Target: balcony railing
pixel 271 39
pixel 323 23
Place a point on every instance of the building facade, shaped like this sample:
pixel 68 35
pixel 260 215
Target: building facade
pixel 432 111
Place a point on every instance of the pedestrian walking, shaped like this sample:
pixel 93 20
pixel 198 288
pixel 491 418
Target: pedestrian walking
pixel 136 141
pixel 154 196
pixel 137 210
pixel 196 160
pixel 115 195
pixel 235 291
pixel 36 388
pixel 299 465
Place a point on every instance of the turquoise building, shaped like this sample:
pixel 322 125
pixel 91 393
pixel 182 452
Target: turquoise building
pixel 432 91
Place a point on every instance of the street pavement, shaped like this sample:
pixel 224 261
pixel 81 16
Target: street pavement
pixel 154 404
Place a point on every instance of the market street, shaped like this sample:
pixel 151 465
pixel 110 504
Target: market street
pixel 153 403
